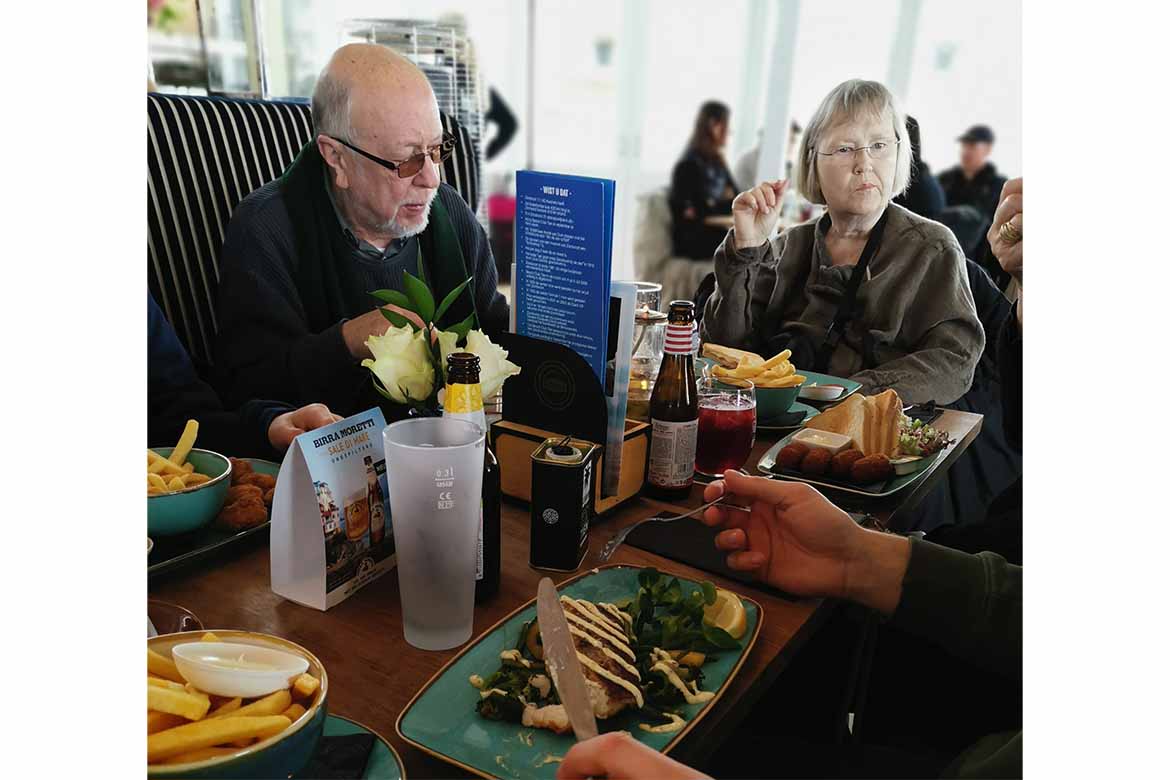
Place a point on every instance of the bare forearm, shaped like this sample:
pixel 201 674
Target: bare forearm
pixel 873 576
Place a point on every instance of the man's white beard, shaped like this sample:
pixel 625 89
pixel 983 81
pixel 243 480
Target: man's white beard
pixel 398 230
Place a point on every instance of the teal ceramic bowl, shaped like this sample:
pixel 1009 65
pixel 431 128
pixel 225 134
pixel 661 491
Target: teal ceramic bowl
pixel 282 755
pixel 771 402
pixel 187 510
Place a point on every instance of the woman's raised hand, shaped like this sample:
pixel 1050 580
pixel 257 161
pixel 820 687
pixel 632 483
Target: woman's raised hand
pixel 755 213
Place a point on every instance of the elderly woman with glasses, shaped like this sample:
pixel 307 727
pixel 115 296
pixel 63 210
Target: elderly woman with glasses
pixel 868 291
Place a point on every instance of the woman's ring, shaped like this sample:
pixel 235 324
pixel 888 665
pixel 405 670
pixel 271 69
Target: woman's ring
pixel 1010 233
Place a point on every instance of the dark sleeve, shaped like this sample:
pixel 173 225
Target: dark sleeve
pixel 1010 351
pixel 477 251
pixel 265 347
pixel 505 121
pixel 687 191
pixel 931 199
pixel 175 394
pixel 971 605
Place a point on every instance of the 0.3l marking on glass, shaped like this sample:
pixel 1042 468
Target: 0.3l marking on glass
pixel 445 479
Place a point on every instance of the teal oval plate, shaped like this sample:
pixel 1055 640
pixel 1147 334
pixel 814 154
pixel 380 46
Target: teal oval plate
pixel 383 764
pixel 767 467
pixel 441 719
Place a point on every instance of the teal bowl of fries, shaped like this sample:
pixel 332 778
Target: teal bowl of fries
pixel 283 754
pixel 186 509
pixel 771 402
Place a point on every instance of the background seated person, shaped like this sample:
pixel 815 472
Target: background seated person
pixel 361 204
pixel 175 394
pixel 913 326
pixel 701 185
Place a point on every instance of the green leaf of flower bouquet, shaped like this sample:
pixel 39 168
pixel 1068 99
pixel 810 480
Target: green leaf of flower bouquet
pixel 420 296
pixel 397 320
pixel 395 297
pixel 463 328
pixel 450 299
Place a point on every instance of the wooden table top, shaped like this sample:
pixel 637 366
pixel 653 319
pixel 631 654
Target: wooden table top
pixel 373 671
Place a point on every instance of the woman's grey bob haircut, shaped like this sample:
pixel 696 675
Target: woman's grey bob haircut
pixel 847 101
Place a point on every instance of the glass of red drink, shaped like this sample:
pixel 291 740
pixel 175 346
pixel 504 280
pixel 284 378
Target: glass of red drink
pixel 727 425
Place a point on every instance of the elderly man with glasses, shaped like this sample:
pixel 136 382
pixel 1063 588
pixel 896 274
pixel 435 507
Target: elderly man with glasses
pixel 361 204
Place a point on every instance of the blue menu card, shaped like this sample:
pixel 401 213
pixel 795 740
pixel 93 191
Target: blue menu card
pixel 564 252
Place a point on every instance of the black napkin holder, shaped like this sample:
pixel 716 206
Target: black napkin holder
pixel 556 394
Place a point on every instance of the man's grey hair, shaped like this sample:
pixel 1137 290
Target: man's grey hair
pixel 331 107
pixel 850 100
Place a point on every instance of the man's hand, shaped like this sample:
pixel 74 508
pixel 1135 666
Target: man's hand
pixel 1011 209
pixel 756 212
pixel 290 425
pixel 618 756
pixel 795 540
pixel 356 331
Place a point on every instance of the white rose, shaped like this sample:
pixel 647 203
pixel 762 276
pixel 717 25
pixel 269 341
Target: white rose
pixel 494 366
pixel 402 362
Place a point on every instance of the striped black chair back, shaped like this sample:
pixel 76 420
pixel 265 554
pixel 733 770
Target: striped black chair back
pixel 205 155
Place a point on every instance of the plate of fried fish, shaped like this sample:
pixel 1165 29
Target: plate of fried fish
pixel 657 651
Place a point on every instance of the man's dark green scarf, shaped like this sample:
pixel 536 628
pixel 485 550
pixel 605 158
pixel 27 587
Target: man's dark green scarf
pixel 324 252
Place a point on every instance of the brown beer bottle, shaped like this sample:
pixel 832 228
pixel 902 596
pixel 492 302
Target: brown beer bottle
pixel 674 410
pixel 463 401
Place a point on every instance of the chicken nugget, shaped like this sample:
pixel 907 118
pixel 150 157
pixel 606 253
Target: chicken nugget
pixel 262 481
pixel 242 515
pixel 244 493
pixel 268 494
pixel 816 462
pixel 842 466
pixel 872 468
pixel 240 467
pixel 791 456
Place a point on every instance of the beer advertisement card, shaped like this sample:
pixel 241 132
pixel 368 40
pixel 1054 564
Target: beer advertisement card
pixel 331 531
pixel 564 252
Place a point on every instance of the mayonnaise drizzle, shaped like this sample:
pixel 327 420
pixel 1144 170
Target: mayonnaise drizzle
pixel 608 653
pixel 619 641
pixel 697 697
pixel 676 724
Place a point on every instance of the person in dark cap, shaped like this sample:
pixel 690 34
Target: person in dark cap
pixel 974 181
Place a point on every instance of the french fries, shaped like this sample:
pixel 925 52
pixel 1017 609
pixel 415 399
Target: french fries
pixel 306 685
pixel 159 721
pixel 192 706
pixel 209 733
pixel 272 704
pixel 161 666
pixel 182 726
pixel 186 442
pixel 227 708
pixel 167 475
pixel 293 712
pixel 776 371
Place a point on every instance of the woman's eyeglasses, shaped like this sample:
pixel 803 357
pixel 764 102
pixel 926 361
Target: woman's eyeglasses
pixel 411 166
pixel 878 150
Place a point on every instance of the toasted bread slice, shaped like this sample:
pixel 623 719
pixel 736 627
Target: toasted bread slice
pixel 846 418
pixel 730 357
pixel 873 423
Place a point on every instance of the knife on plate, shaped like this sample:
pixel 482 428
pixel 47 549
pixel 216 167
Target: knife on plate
pixel 560 658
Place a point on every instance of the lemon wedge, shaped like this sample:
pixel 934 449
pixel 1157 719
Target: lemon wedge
pixel 727 613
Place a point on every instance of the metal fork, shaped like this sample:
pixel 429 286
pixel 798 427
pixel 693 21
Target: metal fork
pixel 611 546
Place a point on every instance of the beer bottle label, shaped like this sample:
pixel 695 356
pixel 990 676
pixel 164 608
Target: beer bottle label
pixel 672 453
pixel 462 399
